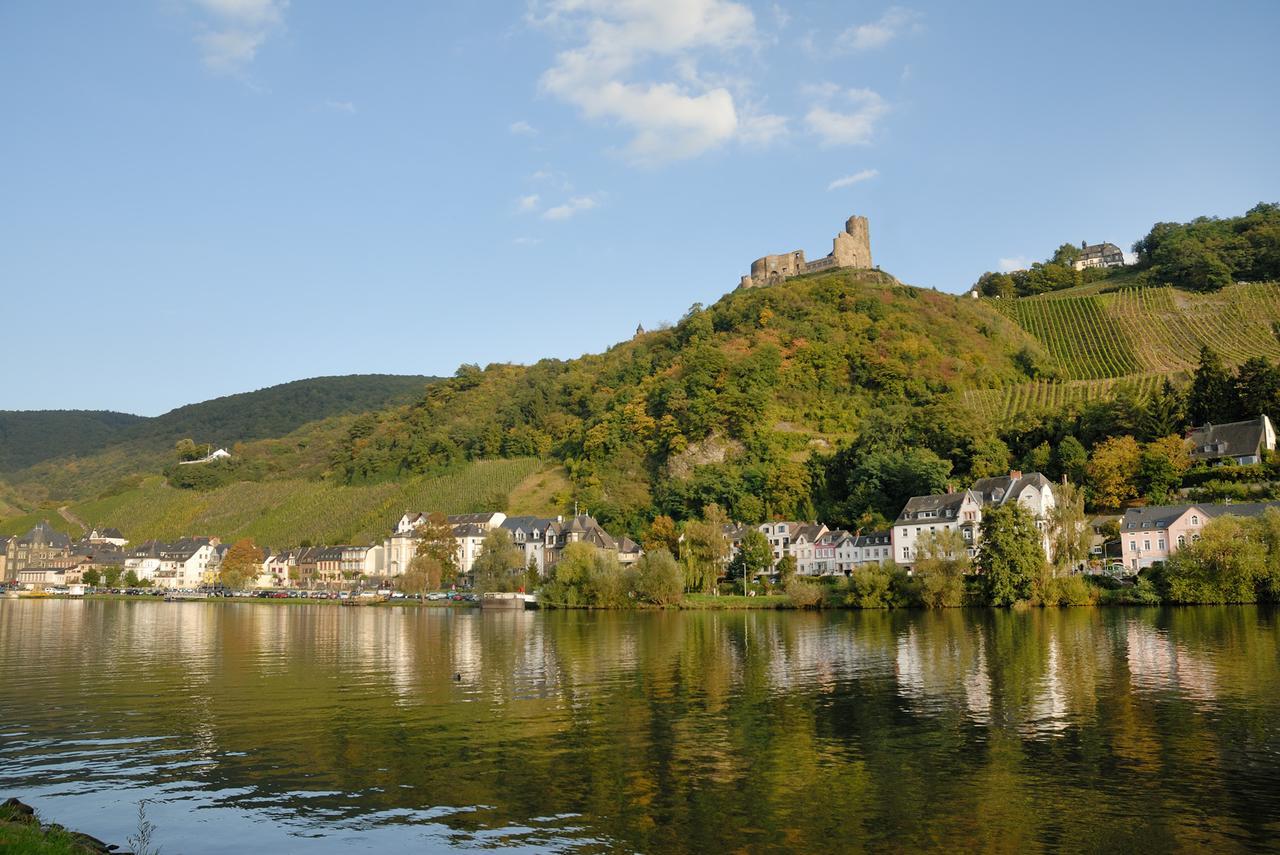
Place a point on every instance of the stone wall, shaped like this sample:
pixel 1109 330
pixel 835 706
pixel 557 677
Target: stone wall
pixel 850 248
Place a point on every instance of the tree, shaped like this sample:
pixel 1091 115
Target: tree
pixel 435 539
pixel 1223 566
pixel 662 534
pixel 1188 263
pixel 1071 535
pixel 1112 471
pixel 1212 391
pixel 241 564
pixel 130 579
pixel 941 564
pixel 786 570
pixel 1065 255
pixel 1010 555
pixel 1257 389
pixel 754 556
pixel 424 573
pixel 1161 466
pixel 91 577
pixel 112 576
pixel 705 548
pixel 660 580
pixel 1165 412
pixel 532 574
pixel 1070 458
pixel 499 563
pixel 187 450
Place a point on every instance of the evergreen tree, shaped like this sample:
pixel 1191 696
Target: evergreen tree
pixel 1010 555
pixel 1257 389
pixel 1165 413
pixel 1212 391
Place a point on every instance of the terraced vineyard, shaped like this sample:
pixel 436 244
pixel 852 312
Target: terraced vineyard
pixel 1085 342
pixel 1101 342
pixel 282 513
pixel 1001 405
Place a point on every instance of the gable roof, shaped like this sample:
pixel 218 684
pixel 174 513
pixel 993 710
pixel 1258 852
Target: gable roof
pixel 43 534
pixel 997 490
pixel 1162 516
pixel 1234 439
pixel 938 503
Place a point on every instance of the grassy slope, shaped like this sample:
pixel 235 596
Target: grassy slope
pixel 284 512
pixel 1104 337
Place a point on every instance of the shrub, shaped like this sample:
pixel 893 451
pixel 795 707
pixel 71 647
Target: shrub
pixel 1063 591
pixel 659 578
pixel 804 594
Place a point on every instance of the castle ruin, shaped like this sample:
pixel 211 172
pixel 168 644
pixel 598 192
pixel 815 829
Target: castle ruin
pixel 851 248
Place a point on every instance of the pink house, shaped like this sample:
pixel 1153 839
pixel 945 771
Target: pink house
pixel 1152 534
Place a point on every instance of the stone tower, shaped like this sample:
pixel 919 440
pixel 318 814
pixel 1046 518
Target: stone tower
pixel 852 247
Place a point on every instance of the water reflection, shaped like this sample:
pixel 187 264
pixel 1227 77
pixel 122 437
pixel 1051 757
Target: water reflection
pixel 292 726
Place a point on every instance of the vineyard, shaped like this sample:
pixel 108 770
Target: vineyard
pixel 1002 405
pixel 1096 336
pixel 283 513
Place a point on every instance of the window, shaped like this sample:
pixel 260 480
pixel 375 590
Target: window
pixel 1146 544
pixel 1195 520
pixel 1182 541
pixel 1133 546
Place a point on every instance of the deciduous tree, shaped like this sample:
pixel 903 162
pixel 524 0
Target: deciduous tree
pixel 241 564
pixel 1010 555
pixel 1113 470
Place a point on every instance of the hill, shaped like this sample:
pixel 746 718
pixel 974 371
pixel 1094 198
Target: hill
pixel 834 395
pixel 30 436
pixel 72 455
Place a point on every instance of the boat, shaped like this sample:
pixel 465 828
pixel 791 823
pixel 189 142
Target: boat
pixel 506 600
pixel 182 596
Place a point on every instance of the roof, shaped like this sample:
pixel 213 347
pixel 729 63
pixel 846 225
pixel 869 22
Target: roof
pixel 46 535
pixel 469 529
pixel 1097 250
pixel 462 519
pixel 939 502
pixel 810 532
pixel 997 490
pixel 1234 439
pixel 526 523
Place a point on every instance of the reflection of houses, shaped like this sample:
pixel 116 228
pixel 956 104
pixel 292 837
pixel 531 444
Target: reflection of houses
pixel 1156 663
pixel 1237 442
pixel 1152 534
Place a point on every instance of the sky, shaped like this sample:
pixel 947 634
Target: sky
pixel 203 197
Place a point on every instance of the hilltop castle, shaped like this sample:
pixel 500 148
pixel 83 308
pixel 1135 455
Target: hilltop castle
pixel 851 248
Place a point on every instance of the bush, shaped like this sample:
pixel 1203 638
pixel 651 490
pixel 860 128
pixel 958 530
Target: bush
pixel 804 594
pixel 659 579
pixel 1063 591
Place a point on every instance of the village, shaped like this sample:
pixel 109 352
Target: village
pixel 1120 545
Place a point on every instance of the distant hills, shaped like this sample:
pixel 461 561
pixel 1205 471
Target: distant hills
pixel 74 454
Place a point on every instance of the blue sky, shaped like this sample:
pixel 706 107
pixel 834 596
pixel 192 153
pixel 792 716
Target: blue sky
pixel 200 197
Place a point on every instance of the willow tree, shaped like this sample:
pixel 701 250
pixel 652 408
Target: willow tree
pixel 706 548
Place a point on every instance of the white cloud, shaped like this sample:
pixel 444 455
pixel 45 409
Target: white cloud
pixel 527 241
pixel 574 206
pixel 668 120
pixel 234 31
pixel 522 128
pixel 341 106
pixel 762 129
pixel 894 22
pixel 848 127
pixel 781 16
pixel 527 204
pixel 1018 262
pixel 855 178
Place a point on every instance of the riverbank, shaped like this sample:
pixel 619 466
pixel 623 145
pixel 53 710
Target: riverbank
pixel 22 831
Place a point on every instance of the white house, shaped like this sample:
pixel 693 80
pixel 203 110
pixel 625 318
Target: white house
pixel 925 515
pixel 220 454
pixel 1033 491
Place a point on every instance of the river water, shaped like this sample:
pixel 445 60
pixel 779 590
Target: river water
pixel 274 728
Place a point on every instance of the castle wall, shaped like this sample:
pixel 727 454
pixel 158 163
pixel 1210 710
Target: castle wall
pixel 850 248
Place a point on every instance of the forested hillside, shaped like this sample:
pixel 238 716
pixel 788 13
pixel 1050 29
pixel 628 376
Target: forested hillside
pixel 72 455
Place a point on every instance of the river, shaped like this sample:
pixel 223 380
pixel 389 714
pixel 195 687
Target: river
pixel 280 728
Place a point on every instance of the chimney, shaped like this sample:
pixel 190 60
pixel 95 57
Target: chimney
pixel 1015 474
pixel 1084 244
